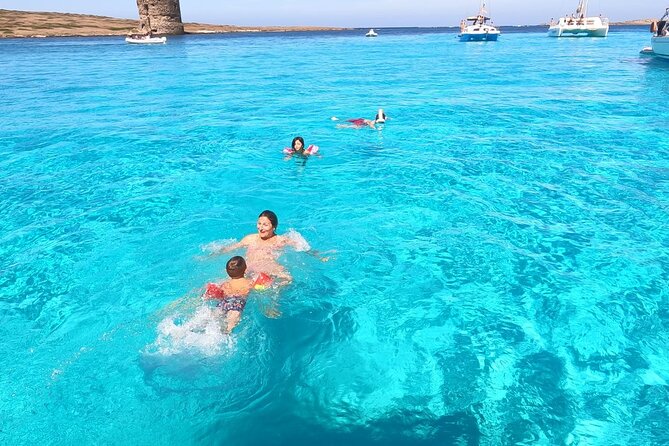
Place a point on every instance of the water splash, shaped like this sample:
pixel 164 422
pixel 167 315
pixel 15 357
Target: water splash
pixel 216 245
pixel 202 333
pixel 299 242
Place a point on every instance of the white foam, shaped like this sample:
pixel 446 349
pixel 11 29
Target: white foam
pixel 299 242
pixel 217 245
pixel 201 333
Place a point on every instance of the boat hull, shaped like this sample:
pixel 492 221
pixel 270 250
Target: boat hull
pixel 660 46
pixel 478 37
pixel 578 31
pixel 151 40
pixel 478 33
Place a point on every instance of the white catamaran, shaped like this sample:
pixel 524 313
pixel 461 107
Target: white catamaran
pixel 579 24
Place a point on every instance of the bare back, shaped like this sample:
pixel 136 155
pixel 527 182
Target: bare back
pixel 237 287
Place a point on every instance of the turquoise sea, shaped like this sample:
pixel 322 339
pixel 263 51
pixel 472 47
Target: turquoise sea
pixel 502 242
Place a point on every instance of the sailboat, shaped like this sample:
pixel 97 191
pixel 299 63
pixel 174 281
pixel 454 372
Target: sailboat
pixel 478 28
pixel 579 24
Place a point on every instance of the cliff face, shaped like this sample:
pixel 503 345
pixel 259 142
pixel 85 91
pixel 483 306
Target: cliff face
pixel 164 16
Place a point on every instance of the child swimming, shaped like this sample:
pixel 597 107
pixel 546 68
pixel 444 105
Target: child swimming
pixel 297 148
pixel 232 293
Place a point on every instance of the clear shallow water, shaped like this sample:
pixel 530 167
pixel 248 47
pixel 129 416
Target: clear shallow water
pixel 502 243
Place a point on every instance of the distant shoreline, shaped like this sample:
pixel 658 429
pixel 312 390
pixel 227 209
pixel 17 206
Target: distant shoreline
pixel 640 22
pixel 16 24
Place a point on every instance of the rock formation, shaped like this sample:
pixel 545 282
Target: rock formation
pixel 160 16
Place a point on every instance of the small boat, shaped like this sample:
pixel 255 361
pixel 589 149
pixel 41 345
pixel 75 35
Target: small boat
pixel 145 36
pixel 478 28
pixel 371 33
pixel 579 24
pixel 660 41
pixel 145 39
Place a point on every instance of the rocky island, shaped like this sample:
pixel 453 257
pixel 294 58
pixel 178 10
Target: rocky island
pixel 53 24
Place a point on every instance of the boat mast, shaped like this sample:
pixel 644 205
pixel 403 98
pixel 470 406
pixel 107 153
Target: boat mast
pixel 482 10
pixel 483 13
pixel 582 9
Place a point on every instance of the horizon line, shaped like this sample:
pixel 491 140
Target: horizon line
pixel 629 22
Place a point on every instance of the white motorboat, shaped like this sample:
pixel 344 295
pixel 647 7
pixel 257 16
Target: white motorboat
pixel 478 28
pixel 371 33
pixel 579 24
pixel 660 40
pixel 145 39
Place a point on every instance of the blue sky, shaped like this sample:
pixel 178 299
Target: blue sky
pixel 355 13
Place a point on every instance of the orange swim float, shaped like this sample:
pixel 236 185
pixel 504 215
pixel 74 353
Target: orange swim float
pixel 262 282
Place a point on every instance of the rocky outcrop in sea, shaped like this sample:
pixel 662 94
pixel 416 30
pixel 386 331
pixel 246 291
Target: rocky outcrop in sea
pixel 160 16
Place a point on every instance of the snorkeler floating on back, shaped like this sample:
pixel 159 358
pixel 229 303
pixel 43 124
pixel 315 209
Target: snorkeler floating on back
pixel 357 123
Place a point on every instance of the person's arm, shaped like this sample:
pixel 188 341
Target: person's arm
pixel 313 150
pixel 289 152
pixel 321 255
pixel 287 241
pixel 240 244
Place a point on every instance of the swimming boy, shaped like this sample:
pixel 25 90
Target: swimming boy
pixel 232 293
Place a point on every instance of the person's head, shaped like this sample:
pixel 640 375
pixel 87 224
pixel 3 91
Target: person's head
pixel 298 144
pixel 236 267
pixel 380 116
pixel 267 224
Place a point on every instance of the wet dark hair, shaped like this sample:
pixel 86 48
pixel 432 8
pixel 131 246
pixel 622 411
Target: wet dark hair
pixel 297 138
pixel 271 216
pixel 236 267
